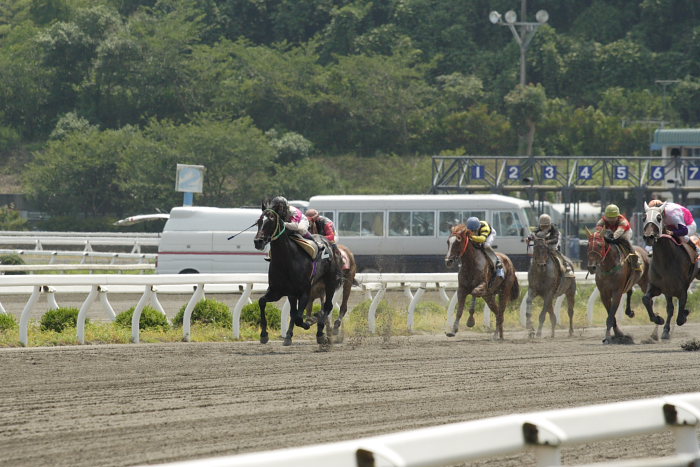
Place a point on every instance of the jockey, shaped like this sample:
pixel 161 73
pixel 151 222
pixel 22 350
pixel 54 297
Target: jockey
pixel 617 229
pixel 481 233
pixel 549 232
pixel 323 226
pixel 679 220
pixel 294 219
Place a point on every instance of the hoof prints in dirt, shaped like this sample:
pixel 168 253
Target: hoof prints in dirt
pixel 620 340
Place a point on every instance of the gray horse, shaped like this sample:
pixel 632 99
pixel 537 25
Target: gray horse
pixel 546 280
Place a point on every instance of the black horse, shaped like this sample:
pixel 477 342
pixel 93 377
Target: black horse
pixel 293 272
pixel 672 271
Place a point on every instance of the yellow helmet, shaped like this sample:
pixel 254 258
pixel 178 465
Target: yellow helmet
pixel 612 211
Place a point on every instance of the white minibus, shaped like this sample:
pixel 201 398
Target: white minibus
pixel 195 240
pixel 408 233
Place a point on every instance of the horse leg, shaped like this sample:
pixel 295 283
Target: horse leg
pixel 570 298
pixel 528 312
pixel 347 287
pixel 612 320
pixel 472 309
pixel 628 308
pixel 682 311
pixel 666 334
pixel 652 292
pixel 546 308
pixel 498 310
pixel 461 298
pixel 552 315
pixel 326 311
pixel 269 296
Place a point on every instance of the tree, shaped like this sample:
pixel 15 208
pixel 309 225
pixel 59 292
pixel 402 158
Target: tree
pixel 526 105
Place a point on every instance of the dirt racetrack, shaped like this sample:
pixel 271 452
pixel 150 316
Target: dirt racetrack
pixel 136 404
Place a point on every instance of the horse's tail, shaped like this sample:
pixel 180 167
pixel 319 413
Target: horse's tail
pixel 515 290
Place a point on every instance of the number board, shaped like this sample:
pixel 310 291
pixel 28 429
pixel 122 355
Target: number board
pixel 585 172
pixel 658 172
pixel 478 172
pixel 620 172
pixel 694 172
pixel 189 178
pixel 549 172
pixel 513 172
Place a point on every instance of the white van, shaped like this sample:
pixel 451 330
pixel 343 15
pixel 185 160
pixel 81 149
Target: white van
pixel 195 240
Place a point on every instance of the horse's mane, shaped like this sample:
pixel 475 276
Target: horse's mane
pixel 459 229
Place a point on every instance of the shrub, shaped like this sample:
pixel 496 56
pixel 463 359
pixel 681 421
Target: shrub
pixel 7 322
pixel 12 260
pixel 207 311
pixel 150 318
pixel 250 314
pixel 59 319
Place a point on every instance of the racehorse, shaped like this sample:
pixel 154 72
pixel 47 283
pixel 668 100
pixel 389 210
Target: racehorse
pixel 292 273
pixel 476 276
pixel 546 280
pixel 614 277
pixel 318 291
pixel 671 273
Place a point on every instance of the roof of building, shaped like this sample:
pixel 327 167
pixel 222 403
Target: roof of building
pixel 676 137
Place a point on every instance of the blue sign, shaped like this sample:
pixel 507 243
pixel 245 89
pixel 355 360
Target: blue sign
pixel 658 172
pixel 478 172
pixel 549 172
pixel 585 172
pixel 620 172
pixel 513 172
pixel 694 172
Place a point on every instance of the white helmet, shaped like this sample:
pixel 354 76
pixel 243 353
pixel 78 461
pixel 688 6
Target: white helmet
pixel 545 220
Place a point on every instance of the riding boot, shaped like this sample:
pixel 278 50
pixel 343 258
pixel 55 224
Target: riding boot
pixel 569 269
pixel 269 256
pixel 650 250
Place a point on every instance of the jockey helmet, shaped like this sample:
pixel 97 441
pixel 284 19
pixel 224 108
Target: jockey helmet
pixel 473 224
pixel 279 204
pixel 312 214
pixel 655 203
pixel 612 211
pixel 545 220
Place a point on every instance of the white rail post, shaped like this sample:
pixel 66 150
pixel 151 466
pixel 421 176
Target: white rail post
pixel 372 312
pixel 284 317
pixel 591 301
pixel 487 316
pixel 136 317
pixel 239 307
pixel 155 302
pixel 415 299
pixel 683 419
pixel 50 297
pixel 105 303
pixel 24 317
pixel 523 310
pixel 196 297
pixel 557 307
pixel 83 311
pixel 546 438
pixel 451 310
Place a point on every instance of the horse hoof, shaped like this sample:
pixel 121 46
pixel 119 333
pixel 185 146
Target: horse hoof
pixel 323 340
pixel 450 334
pixel 287 342
pixel 659 320
pixel 531 334
pixel 630 314
pixel 470 322
pixel 264 339
pixel 682 317
pixel 665 335
pixel 606 341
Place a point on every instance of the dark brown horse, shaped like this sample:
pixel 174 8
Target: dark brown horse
pixel 476 276
pixel 671 272
pixel 614 276
pixel 546 280
pixel 318 291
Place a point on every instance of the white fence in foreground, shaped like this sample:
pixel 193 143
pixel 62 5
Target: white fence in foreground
pixel 97 287
pixel 544 432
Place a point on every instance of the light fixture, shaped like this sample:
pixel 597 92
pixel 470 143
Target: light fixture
pixel 542 16
pixel 495 17
pixel 511 17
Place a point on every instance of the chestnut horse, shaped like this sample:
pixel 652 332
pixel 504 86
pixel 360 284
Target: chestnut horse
pixel 614 277
pixel 476 276
pixel 546 280
pixel 671 272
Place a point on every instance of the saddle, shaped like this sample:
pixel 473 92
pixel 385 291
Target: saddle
pixel 313 249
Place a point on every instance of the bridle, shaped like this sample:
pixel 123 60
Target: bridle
pixel 540 243
pixel 653 216
pixel 597 239
pixel 274 216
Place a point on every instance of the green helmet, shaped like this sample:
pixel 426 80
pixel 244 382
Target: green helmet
pixel 612 211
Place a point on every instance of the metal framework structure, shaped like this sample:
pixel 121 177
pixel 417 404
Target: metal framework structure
pixel 573 179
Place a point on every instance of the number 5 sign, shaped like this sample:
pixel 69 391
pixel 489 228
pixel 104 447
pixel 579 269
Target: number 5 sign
pixel 189 178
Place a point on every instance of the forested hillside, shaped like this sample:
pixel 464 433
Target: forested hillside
pixel 100 99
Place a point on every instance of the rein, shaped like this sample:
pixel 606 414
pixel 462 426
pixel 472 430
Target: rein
pixel 466 244
pixel 278 232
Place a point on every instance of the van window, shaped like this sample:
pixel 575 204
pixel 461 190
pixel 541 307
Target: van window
pixel 507 223
pixel 366 224
pixel 399 224
pixel 328 214
pixel 423 223
pixel 448 219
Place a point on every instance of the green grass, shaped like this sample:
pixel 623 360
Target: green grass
pixel 391 320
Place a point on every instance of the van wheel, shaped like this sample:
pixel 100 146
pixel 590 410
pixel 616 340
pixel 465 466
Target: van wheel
pixel 189 271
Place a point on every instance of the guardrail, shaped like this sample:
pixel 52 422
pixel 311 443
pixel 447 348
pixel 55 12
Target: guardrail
pixel 83 255
pixel 97 286
pixel 85 239
pixel 545 432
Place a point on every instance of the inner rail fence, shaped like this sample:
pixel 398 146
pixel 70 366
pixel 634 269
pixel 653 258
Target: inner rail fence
pixel 546 433
pixel 98 286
